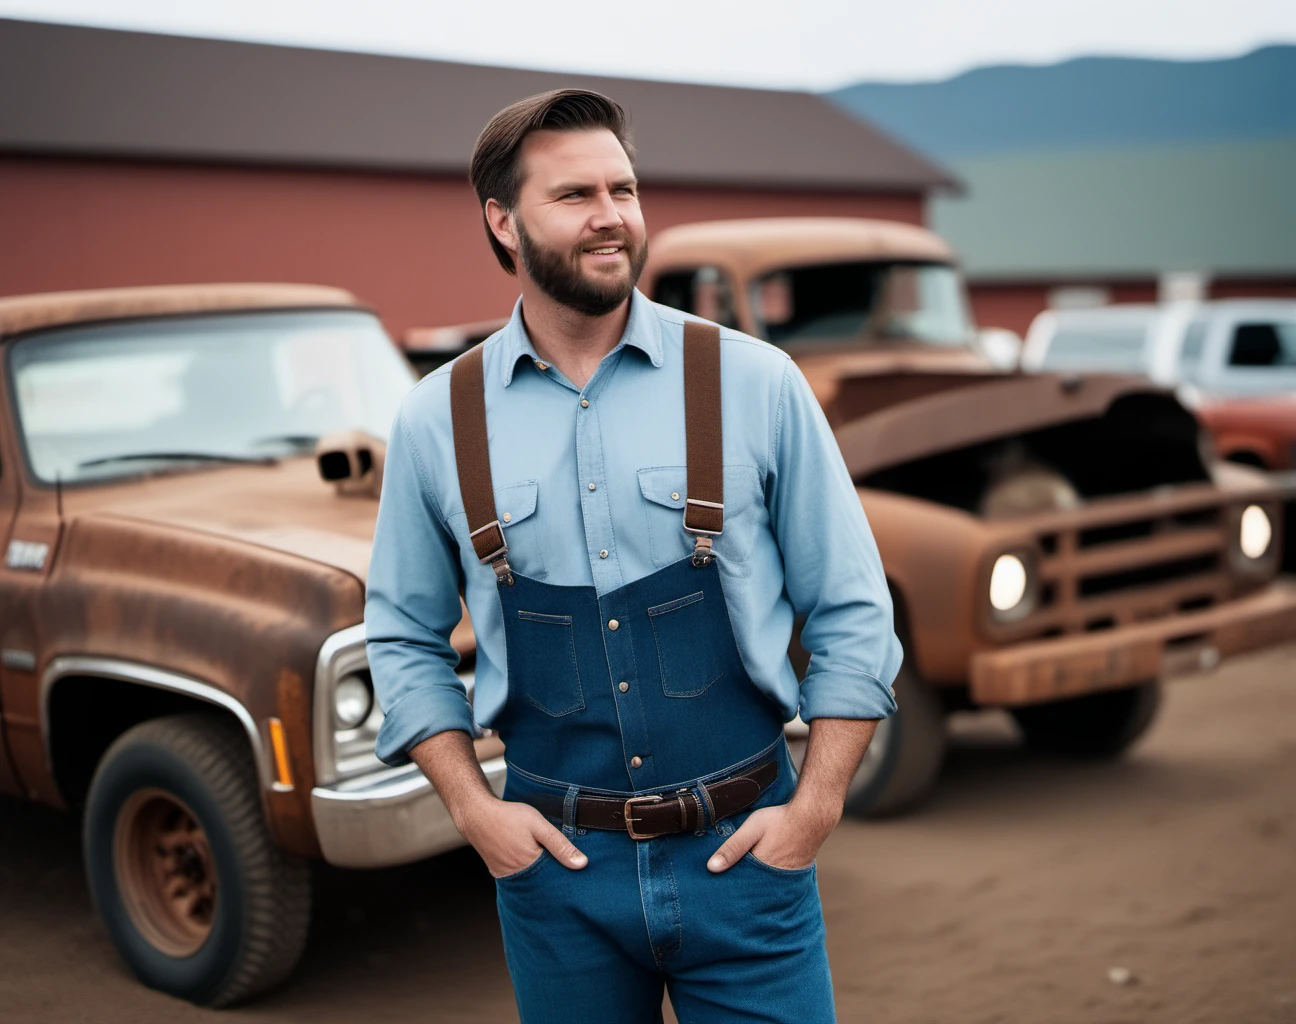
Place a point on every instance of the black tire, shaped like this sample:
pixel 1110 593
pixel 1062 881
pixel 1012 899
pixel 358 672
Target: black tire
pixel 1096 725
pixel 259 917
pixel 905 757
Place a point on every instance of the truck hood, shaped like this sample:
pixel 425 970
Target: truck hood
pixel 285 507
pixel 957 414
pixel 852 382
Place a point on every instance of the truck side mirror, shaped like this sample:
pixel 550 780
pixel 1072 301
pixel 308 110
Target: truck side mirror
pixel 352 461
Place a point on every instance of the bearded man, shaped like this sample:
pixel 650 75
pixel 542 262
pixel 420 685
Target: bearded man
pixel 637 505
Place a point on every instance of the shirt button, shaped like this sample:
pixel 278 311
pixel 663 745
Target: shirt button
pixel 584 403
pixel 674 495
pixel 603 553
pixel 541 365
pixel 508 518
pixel 592 486
pixel 623 687
pixel 636 762
pixel 613 625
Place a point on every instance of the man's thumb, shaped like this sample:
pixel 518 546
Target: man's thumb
pixel 733 849
pixel 561 847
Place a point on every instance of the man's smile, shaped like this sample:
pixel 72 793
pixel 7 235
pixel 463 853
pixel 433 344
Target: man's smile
pixel 606 253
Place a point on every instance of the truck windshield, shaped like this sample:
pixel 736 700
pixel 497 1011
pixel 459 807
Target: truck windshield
pixel 862 302
pixel 146 396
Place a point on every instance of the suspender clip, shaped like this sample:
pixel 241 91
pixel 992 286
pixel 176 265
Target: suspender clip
pixel 493 556
pixel 702 552
pixel 705 521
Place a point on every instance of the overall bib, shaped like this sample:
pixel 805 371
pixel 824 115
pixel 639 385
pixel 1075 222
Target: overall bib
pixel 631 723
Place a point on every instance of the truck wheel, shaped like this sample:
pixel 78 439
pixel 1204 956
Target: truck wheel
pixel 1096 725
pixel 905 757
pixel 191 888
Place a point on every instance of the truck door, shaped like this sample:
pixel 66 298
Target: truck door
pixel 9 782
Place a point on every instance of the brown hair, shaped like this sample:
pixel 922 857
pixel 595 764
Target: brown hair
pixel 494 168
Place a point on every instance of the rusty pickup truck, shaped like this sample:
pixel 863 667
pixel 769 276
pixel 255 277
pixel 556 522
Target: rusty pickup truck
pixel 188 477
pixel 1055 543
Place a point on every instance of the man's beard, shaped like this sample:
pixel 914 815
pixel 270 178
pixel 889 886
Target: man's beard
pixel 559 275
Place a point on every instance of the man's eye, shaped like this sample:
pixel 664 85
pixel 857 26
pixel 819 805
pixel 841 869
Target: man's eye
pixel 574 195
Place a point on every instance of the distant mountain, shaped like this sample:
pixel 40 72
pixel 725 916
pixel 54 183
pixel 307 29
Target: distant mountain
pixel 1088 103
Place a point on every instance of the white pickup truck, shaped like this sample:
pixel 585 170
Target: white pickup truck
pixel 1222 348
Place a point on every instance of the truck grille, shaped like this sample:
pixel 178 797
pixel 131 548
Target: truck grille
pixel 1126 562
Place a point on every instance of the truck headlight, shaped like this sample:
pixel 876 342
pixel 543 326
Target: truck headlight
pixel 1008 583
pixel 352 700
pixel 1255 532
pixel 1014 584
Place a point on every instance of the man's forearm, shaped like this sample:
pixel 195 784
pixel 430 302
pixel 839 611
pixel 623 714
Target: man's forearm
pixel 833 754
pixel 449 760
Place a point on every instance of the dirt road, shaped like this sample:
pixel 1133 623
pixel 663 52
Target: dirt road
pixel 1009 898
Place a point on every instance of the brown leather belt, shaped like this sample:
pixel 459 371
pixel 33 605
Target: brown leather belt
pixel 662 814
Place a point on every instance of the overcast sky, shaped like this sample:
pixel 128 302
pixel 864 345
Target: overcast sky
pixel 815 44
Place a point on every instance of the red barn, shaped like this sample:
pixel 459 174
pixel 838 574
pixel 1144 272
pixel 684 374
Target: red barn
pixel 130 158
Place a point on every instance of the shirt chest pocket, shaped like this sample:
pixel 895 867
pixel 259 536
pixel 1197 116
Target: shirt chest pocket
pixel 665 488
pixel 516 505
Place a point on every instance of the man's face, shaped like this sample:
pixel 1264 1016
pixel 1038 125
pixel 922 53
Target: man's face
pixel 579 231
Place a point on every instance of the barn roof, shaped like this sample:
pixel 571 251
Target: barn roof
pixel 108 93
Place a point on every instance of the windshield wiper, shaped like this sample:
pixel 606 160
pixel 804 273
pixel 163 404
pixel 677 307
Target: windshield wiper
pixel 246 460
pixel 296 440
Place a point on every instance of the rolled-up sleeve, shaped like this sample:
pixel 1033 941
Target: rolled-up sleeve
pixel 411 606
pixel 833 573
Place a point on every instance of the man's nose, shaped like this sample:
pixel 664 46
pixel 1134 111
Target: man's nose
pixel 605 215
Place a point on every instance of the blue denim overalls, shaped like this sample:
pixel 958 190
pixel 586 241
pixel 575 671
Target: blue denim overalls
pixel 640 695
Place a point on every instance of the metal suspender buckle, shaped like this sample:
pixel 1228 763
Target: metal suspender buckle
pixel 495 557
pixel 702 545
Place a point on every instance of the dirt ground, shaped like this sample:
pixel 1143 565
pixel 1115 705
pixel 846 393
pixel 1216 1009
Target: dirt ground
pixel 1009 898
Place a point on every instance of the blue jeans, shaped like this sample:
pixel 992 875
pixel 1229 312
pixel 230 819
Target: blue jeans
pixel 597 946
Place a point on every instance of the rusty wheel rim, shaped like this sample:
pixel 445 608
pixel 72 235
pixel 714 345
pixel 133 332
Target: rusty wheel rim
pixel 165 872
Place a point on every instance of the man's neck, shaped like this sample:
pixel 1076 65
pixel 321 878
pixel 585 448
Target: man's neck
pixel 569 340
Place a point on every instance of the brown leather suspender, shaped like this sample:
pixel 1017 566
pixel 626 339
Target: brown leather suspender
pixel 704 503
pixel 472 457
pixel 704 441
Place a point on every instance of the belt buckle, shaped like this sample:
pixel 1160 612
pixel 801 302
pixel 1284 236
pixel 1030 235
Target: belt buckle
pixel 629 818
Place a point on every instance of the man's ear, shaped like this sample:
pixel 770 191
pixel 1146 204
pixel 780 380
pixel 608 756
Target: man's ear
pixel 500 222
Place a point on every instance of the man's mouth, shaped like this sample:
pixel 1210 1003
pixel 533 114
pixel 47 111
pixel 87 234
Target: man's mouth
pixel 606 250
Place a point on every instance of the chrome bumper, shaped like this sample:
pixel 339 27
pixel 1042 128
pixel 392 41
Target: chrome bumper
pixel 1050 670
pixel 388 817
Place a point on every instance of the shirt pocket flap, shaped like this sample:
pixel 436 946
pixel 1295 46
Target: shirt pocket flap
pixel 515 502
pixel 664 485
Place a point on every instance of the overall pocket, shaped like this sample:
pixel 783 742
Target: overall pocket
pixel 688 655
pixel 550 681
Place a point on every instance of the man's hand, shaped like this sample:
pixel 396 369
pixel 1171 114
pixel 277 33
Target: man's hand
pixel 786 836
pixel 789 835
pixel 510 836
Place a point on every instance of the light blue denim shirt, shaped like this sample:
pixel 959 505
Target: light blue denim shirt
pixel 590 485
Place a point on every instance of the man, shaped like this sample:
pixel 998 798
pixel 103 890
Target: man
pixel 636 505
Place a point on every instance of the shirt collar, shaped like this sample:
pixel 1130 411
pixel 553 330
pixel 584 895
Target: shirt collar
pixel 643 331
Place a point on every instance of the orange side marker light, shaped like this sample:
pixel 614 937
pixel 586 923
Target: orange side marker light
pixel 279 745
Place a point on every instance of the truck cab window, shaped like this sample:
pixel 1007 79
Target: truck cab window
pixel 704 292
pixel 1263 344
